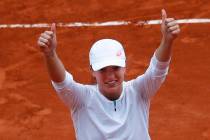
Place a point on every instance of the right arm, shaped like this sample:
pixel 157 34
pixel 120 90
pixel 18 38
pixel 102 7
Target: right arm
pixel 55 68
pixel 73 94
pixel 47 43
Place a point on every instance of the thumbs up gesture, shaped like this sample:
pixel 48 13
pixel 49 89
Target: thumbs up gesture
pixel 47 41
pixel 170 28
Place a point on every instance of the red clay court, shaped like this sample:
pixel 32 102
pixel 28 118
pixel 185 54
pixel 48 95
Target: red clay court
pixel 29 107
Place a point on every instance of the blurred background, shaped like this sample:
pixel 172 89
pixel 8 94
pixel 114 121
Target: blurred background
pixel 29 107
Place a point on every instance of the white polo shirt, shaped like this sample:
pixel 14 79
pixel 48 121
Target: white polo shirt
pixel 97 118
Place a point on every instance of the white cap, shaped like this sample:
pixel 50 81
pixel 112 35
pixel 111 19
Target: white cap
pixel 106 52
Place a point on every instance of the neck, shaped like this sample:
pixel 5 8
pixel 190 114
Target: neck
pixel 112 95
pixel 113 98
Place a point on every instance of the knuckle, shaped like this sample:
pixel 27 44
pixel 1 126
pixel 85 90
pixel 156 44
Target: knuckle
pixel 46 32
pixel 168 25
pixel 168 30
pixel 49 37
pixel 41 43
pixel 40 38
pixel 38 43
pixel 47 41
pixel 49 32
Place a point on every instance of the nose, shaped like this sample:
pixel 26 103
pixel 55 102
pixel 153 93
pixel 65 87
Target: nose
pixel 110 73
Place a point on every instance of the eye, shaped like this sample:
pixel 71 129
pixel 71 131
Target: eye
pixel 102 70
pixel 116 67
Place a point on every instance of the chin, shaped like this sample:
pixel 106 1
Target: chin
pixel 113 90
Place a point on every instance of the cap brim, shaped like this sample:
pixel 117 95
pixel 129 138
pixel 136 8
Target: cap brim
pixel 98 66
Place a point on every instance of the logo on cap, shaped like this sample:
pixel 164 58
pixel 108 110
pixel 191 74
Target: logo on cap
pixel 119 53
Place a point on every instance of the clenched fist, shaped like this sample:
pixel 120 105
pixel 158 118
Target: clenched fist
pixel 47 41
pixel 169 27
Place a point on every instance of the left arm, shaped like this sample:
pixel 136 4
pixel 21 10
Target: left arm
pixel 148 83
pixel 170 30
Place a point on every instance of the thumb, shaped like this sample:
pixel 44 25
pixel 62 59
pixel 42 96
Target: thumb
pixel 164 16
pixel 53 28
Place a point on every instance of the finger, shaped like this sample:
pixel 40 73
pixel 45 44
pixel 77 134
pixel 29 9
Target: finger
pixel 46 36
pixel 169 20
pixel 164 16
pixel 176 32
pixel 44 40
pixel 42 45
pixel 53 28
pixel 50 33
pixel 173 28
pixel 173 23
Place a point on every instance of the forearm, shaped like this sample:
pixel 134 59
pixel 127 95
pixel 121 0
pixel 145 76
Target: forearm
pixel 170 30
pixel 163 52
pixel 55 67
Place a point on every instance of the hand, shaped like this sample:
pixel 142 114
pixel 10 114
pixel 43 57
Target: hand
pixel 47 41
pixel 169 27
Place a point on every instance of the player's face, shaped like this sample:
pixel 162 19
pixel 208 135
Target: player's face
pixel 110 80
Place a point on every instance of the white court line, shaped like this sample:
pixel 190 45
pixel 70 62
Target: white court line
pixel 102 24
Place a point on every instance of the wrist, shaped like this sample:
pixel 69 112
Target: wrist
pixel 166 41
pixel 50 54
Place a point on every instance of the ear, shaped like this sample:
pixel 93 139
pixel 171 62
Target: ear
pixel 92 71
pixel 93 74
pixel 124 69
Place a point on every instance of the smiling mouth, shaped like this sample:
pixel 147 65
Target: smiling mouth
pixel 111 83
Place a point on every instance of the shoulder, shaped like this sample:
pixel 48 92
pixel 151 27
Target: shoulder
pixel 91 88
